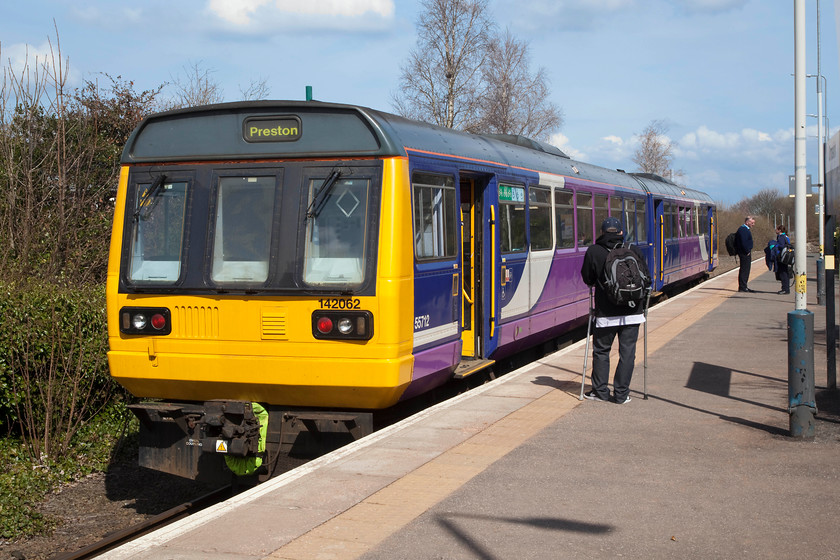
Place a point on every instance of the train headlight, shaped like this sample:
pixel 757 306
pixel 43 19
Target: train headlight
pixel 345 326
pixel 145 320
pixel 138 321
pixel 342 325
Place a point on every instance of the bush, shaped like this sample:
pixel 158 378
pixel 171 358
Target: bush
pixel 53 369
pixel 25 482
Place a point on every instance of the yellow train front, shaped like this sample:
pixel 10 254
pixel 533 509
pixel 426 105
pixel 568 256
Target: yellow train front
pixel 247 266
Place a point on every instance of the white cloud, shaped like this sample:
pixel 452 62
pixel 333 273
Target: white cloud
pixel 562 142
pixel 238 12
pixel 259 13
pixel 21 55
pixel 349 8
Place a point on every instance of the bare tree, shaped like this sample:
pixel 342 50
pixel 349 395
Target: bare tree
pixel 516 101
pixel 195 87
pixel 442 83
pixel 257 89
pixel 655 153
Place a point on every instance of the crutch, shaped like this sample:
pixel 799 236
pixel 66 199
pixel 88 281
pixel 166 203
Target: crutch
pixel 586 352
pixel 647 304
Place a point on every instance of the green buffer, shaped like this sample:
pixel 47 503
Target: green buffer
pixel 801 403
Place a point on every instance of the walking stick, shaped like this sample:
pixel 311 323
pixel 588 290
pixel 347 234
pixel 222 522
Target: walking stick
pixel 647 304
pixel 586 352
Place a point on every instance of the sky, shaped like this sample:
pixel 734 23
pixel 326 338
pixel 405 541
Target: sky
pixel 719 73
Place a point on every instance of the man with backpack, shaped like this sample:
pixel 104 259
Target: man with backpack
pixel 744 246
pixel 621 281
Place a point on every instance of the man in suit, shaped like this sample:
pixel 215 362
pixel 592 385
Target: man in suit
pixel 744 245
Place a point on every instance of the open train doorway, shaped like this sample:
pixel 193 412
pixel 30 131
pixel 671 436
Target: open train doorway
pixel 474 295
pixel 470 270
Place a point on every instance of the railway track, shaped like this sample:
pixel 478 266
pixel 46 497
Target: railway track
pixel 161 520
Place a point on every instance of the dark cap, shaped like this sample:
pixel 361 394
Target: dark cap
pixel 611 225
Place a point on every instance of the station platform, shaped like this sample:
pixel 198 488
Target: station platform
pixel 704 467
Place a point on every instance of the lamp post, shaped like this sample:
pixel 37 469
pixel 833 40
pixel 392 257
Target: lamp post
pixel 800 321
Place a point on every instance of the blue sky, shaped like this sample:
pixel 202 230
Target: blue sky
pixel 717 71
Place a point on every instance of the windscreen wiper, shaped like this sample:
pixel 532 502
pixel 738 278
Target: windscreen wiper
pixel 149 198
pixel 321 196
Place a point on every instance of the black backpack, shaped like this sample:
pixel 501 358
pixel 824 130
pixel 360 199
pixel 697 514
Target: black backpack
pixel 730 244
pixel 624 280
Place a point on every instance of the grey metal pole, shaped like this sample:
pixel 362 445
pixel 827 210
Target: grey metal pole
pixel 800 335
pixel 586 349
pixel 830 323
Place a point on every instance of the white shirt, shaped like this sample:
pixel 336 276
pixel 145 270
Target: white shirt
pixel 620 320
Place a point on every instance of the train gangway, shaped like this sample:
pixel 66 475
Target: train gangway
pixel 521 468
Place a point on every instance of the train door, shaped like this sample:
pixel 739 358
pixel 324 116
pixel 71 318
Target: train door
pixel 712 230
pixel 478 296
pixel 470 255
pixel 660 248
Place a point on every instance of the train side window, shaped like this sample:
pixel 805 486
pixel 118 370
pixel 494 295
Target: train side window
pixel 336 233
pixel 512 218
pixel 584 219
pixel 564 219
pixel 242 235
pixel 434 216
pixel 629 221
pixel 641 216
pixel 616 205
pixel 601 212
pixel 539 227
pixel 696 220
pixel 669 221
pixel 680 221
pixel 157 238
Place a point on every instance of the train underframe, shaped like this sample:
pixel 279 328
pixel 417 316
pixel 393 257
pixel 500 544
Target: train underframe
pixel 212 441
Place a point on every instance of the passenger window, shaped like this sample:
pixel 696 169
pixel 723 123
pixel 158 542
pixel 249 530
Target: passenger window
pixel 601 212
pixel 564 219
pixel 512 218
pixel 435 216
pixel 584 219
pixel 539 206
pixel 669 221
pixel 629 221
pixel 641 221
pixel 242 235
pixel 336 232
pixel 157 237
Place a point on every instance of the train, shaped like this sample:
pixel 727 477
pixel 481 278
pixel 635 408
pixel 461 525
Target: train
pixel 279 268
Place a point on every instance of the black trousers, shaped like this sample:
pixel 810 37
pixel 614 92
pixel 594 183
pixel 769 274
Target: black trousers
pixel 784 276
pixel 744 272
pixel 602 340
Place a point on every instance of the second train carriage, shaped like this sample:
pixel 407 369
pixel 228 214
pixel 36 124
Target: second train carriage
pixel 271 257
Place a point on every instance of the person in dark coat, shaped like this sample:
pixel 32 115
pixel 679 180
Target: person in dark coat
pixel 783 270
pixel 611 320
pixel 744 245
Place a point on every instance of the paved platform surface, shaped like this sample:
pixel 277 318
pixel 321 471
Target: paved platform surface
pixel 521 468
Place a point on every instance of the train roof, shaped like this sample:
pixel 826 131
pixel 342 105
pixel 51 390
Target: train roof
pixel 283 129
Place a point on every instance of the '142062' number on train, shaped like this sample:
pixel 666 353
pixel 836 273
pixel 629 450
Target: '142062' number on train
pixel 339 303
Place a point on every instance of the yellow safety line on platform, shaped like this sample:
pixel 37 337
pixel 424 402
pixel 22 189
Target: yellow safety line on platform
pixel 363 526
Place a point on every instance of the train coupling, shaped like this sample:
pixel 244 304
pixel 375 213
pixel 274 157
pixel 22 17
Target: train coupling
pixel 230 427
